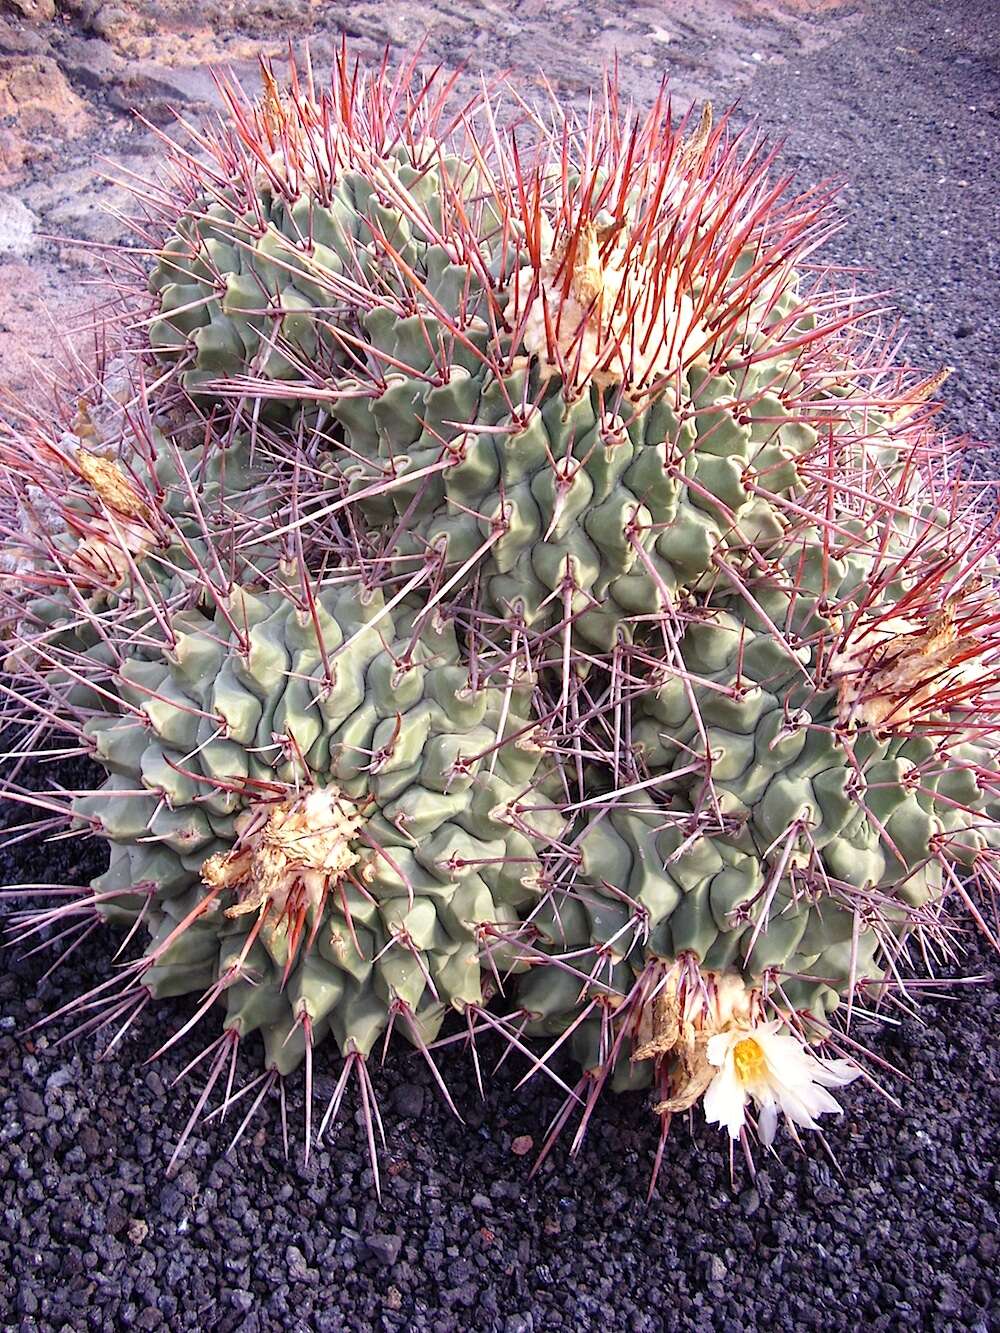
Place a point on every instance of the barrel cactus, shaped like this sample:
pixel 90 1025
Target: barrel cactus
pixel 308 202
pixel 315 773
pixel 531 565
pixel 801 805
pixel 314 815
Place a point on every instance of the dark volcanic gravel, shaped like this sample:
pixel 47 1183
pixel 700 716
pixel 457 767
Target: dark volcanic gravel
pixel 906 112
pixel 94 1236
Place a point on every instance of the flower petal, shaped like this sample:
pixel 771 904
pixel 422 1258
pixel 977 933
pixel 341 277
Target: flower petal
pixel 725 1102
pixel 797 1109
pixel 767 1122
pixel 836 1073
pixel 719 1046
pixel 790 1080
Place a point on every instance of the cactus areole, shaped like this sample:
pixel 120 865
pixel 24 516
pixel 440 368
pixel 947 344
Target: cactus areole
pixel 505 579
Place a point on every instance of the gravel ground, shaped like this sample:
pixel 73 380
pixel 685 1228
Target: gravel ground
pixel 93 1234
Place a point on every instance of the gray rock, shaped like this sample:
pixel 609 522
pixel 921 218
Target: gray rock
pixel 408 1101
pixel 17 226
pixel 384 1246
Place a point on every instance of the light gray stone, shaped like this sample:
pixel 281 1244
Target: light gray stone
pixel 17 226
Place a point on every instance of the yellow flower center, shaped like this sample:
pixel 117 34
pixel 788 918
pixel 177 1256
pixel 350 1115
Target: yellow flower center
pixel 749 1060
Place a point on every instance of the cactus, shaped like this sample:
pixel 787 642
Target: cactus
pixel 391 838
pixel 538 385
pixel 114 525
pixel 260 274
pixel 806 773
pixel 593 601
pixel 314 815
pixel 823 833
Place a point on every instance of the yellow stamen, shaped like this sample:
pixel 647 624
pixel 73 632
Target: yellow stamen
pixel 749 1060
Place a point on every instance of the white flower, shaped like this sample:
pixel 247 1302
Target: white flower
pixel 777 1072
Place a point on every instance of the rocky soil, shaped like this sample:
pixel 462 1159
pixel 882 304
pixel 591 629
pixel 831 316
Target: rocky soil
pixel 900 101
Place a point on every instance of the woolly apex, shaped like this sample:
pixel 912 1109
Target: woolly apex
pixel 893 671
pixel 599 312
pixel 297 849
pixel 113 543
pixel 84 495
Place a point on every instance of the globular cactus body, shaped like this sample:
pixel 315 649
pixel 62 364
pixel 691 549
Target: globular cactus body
pixel 319 773
pixel 259 274
pixel 565 508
